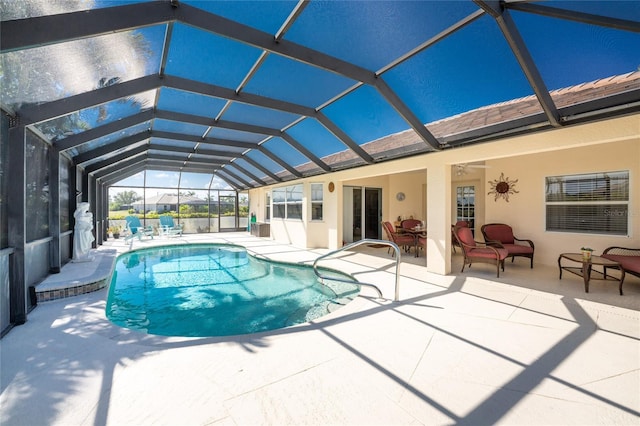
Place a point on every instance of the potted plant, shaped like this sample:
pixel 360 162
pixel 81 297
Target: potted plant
pixel 115 231
pixel 586 253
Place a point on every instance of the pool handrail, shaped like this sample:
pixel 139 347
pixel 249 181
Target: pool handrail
pixel 355 244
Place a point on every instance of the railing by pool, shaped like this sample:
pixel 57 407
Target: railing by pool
pixel 355 244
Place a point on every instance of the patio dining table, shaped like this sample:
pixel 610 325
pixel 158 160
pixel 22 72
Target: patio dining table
pixel 417 232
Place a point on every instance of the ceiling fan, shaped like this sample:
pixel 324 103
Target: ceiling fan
pixel 463 169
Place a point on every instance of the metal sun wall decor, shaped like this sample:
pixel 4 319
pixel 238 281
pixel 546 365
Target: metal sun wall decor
pixel 502 187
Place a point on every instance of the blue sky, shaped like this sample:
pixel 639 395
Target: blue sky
pixel 472 68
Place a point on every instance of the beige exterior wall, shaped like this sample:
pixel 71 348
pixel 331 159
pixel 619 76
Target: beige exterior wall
pixel 525 211
pixel 301 233
pixel 594 147
pixel 412 184
pixel 257 201
pixel 319 230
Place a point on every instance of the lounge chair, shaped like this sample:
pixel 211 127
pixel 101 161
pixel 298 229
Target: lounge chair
pixel 475 251
pixel 169 228
pixel 136 230
pixel 501 235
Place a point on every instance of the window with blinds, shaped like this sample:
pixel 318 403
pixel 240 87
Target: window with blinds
pixel 594 203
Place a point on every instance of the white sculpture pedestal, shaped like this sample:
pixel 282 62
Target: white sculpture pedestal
pixel 85 258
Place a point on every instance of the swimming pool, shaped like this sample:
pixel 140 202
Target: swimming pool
pixel 206 290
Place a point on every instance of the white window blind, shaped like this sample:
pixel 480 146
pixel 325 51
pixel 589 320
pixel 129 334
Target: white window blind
pixel 594 203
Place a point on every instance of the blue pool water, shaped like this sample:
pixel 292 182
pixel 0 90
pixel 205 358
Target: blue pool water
pixel 217 290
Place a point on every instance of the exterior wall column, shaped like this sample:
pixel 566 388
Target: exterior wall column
pixel 104 211
pixel 55 262
pixel 99 212
pixel 92 198
pixel 17 224
pixel 439 219
pixel 84 181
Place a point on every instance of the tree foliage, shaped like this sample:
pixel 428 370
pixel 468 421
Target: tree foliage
pixel 124 198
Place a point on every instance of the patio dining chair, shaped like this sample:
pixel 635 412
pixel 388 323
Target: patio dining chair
pixel 409 224
pixel 476 251
pixel 402 240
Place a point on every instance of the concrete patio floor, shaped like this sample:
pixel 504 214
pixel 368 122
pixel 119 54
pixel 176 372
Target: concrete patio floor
pixel 524 349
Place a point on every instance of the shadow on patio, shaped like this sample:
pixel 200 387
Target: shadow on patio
pixel 462 349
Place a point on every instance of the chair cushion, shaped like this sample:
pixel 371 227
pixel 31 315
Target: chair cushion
pixel 628 263
pixel 502 233
pixel 518 249
pixel 465 235
pixel 410 223
pixel 388 227
pixel 404 239
pixel 487 253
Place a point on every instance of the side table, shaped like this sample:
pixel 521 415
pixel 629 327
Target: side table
pixel 586 271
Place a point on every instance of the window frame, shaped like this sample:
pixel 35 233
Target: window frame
pixel 294 205
pixel 466 212
pixel 267 206
pixel 590 205
pixel 279 204
pixel 286 205
pixel 313 204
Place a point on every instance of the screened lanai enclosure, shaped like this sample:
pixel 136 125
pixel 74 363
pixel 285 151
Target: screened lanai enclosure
pixel 198 201
pixel 180 107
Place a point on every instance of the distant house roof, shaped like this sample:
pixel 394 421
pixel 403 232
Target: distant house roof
pixel 166 199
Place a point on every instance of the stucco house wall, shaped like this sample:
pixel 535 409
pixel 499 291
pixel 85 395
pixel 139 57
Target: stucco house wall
pixel 594 147
pixel 525 211
pixel 412 185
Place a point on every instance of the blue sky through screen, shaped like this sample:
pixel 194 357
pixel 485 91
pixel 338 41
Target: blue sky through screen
pixel 472 68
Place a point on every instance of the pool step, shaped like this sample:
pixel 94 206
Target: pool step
pixel 78 277
pixel 303 315
pixel 334 305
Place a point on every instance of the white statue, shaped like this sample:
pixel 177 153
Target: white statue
pixel 83 235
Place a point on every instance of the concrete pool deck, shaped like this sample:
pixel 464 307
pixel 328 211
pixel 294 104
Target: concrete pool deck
pixel 466 348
